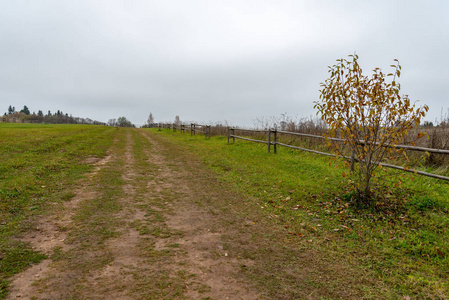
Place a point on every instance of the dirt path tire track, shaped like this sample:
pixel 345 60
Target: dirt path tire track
pixel 49 233
pixel 203 252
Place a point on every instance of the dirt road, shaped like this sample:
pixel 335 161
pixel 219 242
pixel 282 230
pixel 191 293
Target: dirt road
pixel 141 226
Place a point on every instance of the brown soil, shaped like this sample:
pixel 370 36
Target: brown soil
pixel 197 252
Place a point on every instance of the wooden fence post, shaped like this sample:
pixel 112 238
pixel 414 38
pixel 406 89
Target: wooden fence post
pixel 275 141
pixel 233 133
pixel 228 134
pixel 210 129
pixel 269 140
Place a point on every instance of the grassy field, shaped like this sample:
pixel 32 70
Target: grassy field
pixel 38 165
pixel 404 241
pixel 299 201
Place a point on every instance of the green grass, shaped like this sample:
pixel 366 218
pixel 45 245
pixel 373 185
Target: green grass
pixel 404 242
pixel 38 166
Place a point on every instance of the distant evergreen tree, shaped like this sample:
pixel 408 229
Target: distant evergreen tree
pixel 11 110
pixel 25 110
pixel 40 113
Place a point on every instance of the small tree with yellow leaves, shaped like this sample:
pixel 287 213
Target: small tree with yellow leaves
pixel 368 113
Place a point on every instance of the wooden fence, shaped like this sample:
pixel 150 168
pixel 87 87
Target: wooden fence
pixel 204 129
pixel 273 141
pixel 193 128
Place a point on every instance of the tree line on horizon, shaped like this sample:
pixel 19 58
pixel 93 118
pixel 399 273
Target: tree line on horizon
pixel 25 116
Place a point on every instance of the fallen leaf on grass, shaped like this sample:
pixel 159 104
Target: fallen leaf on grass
pixel 297 207
pixel 295 233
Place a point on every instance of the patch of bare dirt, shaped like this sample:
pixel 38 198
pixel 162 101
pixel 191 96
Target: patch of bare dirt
pixel 49 233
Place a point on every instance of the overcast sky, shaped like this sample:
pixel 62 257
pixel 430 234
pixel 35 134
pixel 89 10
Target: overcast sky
pixel 210 60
